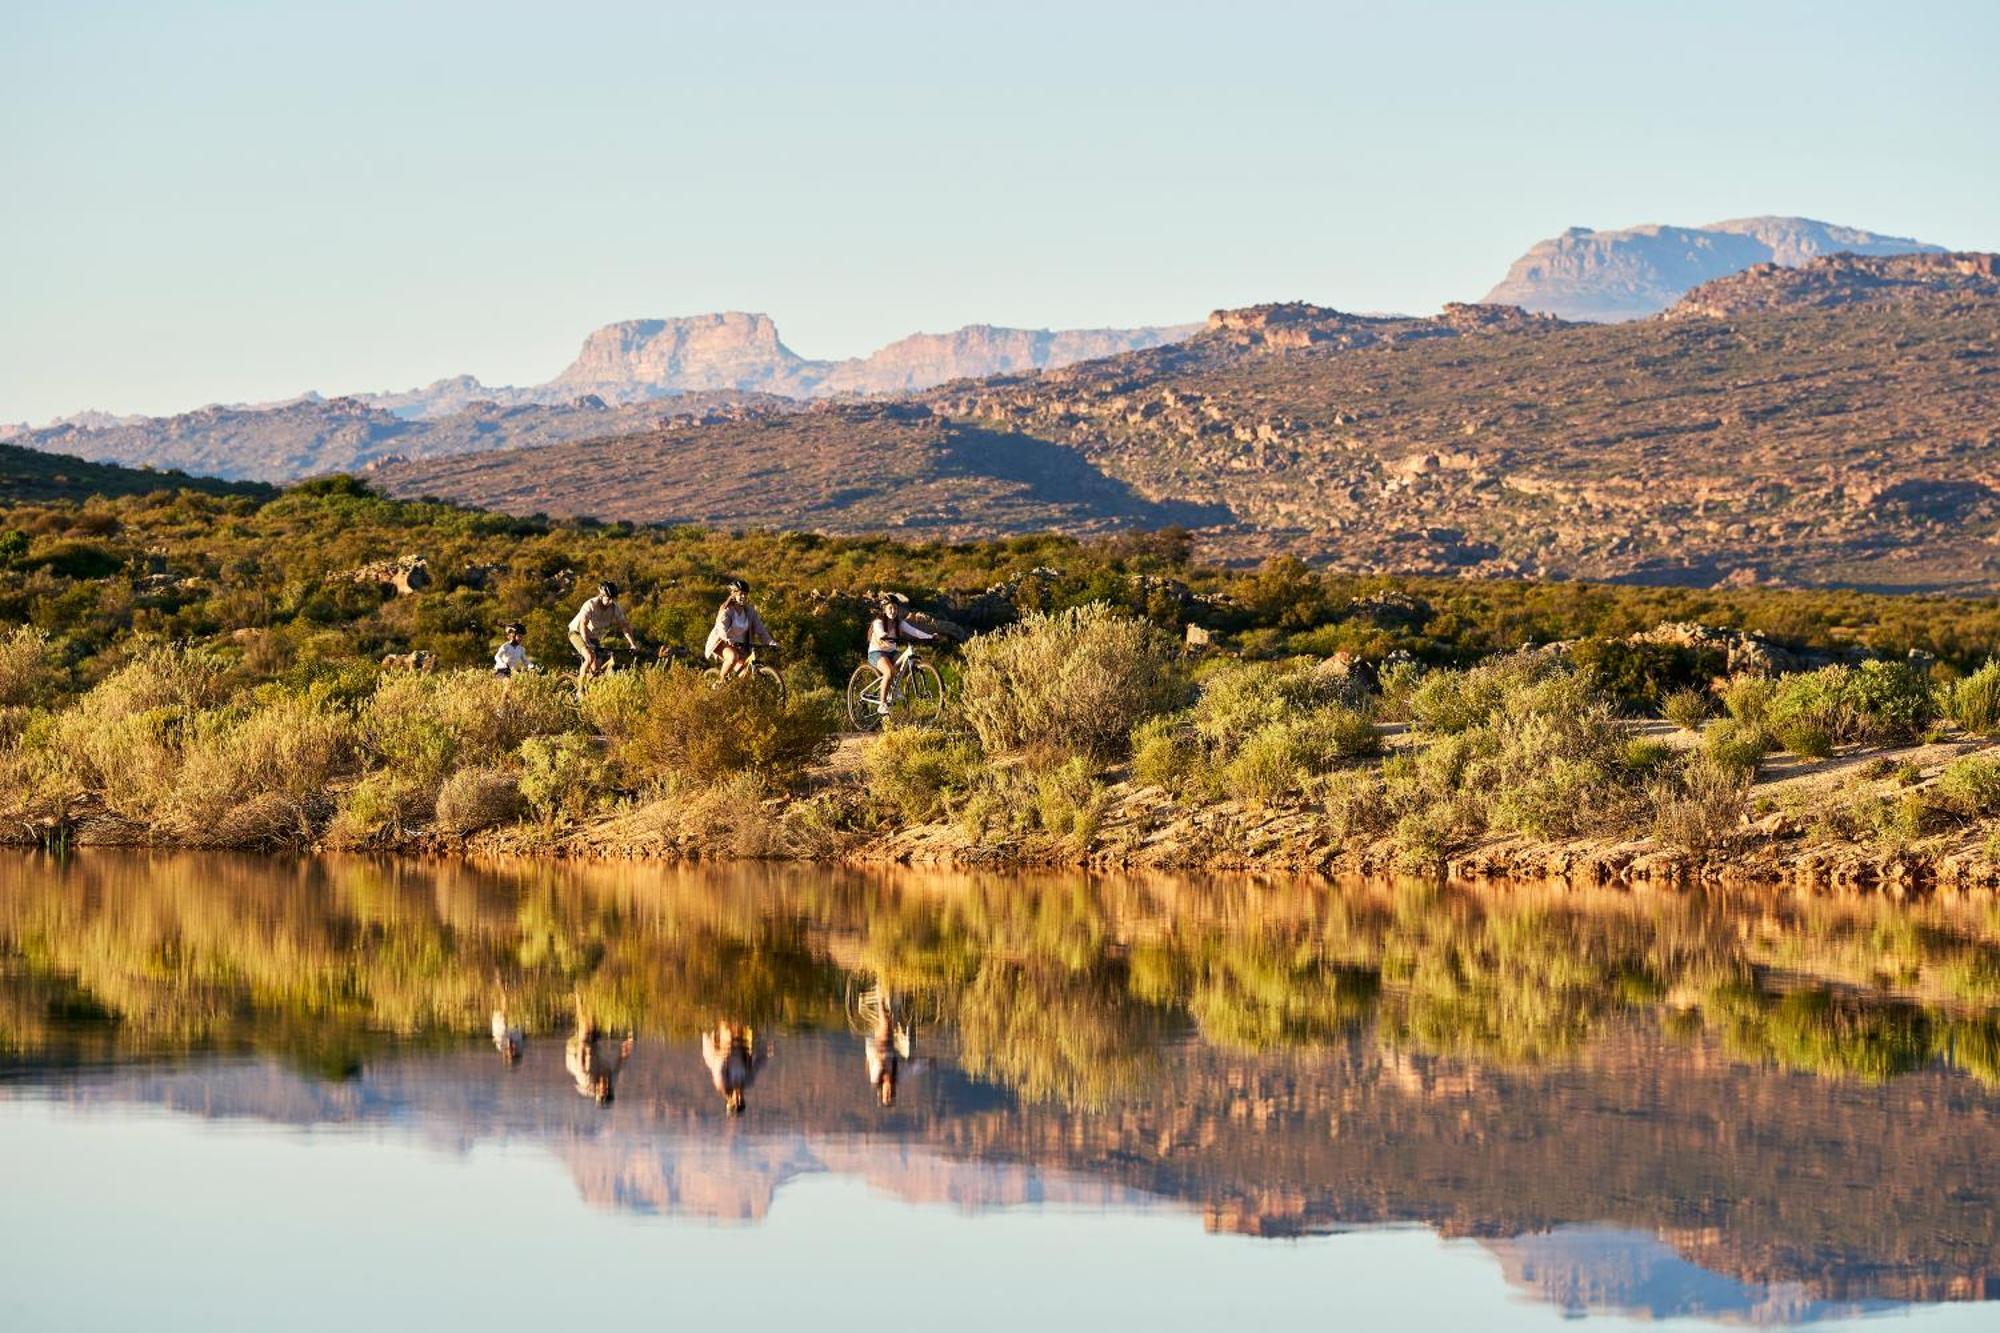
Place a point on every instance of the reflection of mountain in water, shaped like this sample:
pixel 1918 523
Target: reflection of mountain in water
pixel 1584 1270
pixel 1654 1177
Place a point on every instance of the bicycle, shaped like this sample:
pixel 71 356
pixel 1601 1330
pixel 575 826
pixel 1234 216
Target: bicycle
pixel 917 695
pixel 758 674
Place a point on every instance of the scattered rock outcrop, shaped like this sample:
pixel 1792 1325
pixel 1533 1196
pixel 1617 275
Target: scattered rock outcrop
pixel 1841 280
pixel 406 574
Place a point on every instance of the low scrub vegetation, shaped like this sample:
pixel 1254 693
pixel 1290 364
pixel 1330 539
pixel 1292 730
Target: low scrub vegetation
pixel 1263 732
pixel 1069 683
pixel 206 669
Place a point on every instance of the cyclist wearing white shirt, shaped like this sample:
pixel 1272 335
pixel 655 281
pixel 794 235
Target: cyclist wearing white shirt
pixel 886 632
pixel 513 654
pixel 738 629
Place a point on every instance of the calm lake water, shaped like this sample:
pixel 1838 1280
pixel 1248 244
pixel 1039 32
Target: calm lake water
pixel 250 1093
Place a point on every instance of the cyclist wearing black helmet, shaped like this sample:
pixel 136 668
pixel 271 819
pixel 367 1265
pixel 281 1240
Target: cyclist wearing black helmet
pixel 886 632
pixel 513 654
pixel 738 629
pixel 587 627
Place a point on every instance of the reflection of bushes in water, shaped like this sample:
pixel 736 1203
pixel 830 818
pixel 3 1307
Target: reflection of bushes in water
pixel 1077 1039
pixel 1255 994
pixel 195 954
pixel 1814 1031
pixel 1973 1045
pixel 1062 985
pixel 1525 986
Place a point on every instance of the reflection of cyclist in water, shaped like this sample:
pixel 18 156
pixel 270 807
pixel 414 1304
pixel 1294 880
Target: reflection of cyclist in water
pixel 733 1059
pixel 593 1058
pixel 887 1049
pixel 508 1039
pixel 885 1041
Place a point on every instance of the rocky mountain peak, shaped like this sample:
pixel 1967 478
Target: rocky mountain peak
pixel 1610 276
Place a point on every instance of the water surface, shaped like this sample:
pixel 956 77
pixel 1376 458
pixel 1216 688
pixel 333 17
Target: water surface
pixel 238 1092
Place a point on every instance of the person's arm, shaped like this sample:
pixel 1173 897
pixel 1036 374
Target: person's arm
pixel 916 633
pixel 625 625
pixel 759 631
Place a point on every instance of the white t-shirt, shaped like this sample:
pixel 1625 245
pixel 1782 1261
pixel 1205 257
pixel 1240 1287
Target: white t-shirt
pixel 511 657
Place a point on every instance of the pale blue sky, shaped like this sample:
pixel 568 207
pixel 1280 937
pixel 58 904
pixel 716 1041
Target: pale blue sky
pixel 213 201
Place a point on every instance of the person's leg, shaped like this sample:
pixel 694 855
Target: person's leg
pixel 587 666
pixel 885 667
pixel 732 660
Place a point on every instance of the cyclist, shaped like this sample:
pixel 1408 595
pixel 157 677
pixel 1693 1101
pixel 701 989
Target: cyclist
pixel 513 654
pixel 738 628
pixel 886 631
pixel 586 630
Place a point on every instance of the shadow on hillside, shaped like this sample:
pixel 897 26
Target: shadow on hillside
pixel 1055 475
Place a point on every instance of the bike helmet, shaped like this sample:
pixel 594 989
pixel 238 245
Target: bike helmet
pixel 738 585
pixel 516 627
pixel 608 588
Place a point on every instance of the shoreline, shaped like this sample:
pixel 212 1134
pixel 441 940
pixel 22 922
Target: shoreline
pixel 1146 831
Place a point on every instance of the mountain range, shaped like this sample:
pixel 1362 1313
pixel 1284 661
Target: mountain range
pixel 1609 276
pixel 1832 424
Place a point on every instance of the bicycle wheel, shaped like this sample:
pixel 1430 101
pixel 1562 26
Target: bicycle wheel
pixel 864 692
pixel 768 680
pixel 923 693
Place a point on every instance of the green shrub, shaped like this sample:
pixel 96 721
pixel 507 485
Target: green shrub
pixel 1736 745
pixel 1974 701
pixel 1747 699
pixel 27 667
pixel 256 773
pixel 1687 709
pixel 1281 758
pixel 1357 808
pixel 1074 682
pixel 1239 698
pixel 1167 754
pixel 1894 701
pixel 1970 786
pixel 1807 735
pixel 1875 703
pixel 1697 808
pixel 687 730
pixel 1639 676
pixel 558 776
pixel 478 798
pixel 921 770
pixel 429 724
pixel 1069 802
pixel 1643 754
pixel 379 808
pixel 1448 702
pixel 1270 765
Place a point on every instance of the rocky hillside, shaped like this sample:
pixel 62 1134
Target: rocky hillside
pixel 1843 280
pixel 1848 444
pixel 838 468
pixel 1618 275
